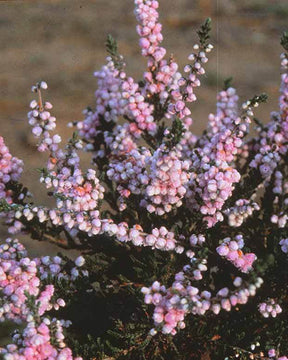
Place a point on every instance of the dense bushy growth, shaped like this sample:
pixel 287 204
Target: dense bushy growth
pixel 183 238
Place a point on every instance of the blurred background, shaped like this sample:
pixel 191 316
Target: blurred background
pixel 63 43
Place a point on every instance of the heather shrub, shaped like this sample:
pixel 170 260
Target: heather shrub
pixel 182 239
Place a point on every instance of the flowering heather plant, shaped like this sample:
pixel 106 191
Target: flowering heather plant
pixel 182 239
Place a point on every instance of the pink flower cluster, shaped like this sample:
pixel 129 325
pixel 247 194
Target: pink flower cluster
pixel 35 343
pixel 272 353
pixel 77 194
pixel 160 79
pixel 120 142
pixel 227 109
pixel 129 173
pixel 108 94
pixel 173 304
pixel 278 184
pixel 231 250
pixel 213 177
pixel 43 123
pixel 242 209
pixel 75 191
pixel 16 278
pixel 272 142
pixel 183 90
pixel 110 103
pixel 162 75
pixel 167 177
pixel 284 245
pixel 269 308
pixel 138 109
pixel 10 170
pixel 280 219
pixel 197 240
pixel 280 189
pixel 161 238
pixel 149 29
pixel 21 277
pixel 209 190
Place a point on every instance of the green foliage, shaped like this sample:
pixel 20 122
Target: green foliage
pixel 227 83
pixel 4 206
pixel 111 46
pixel 284 40
pixel 204 32
pixel 258 99
pixel 112 49
pixel 175 133
pixel 109 315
